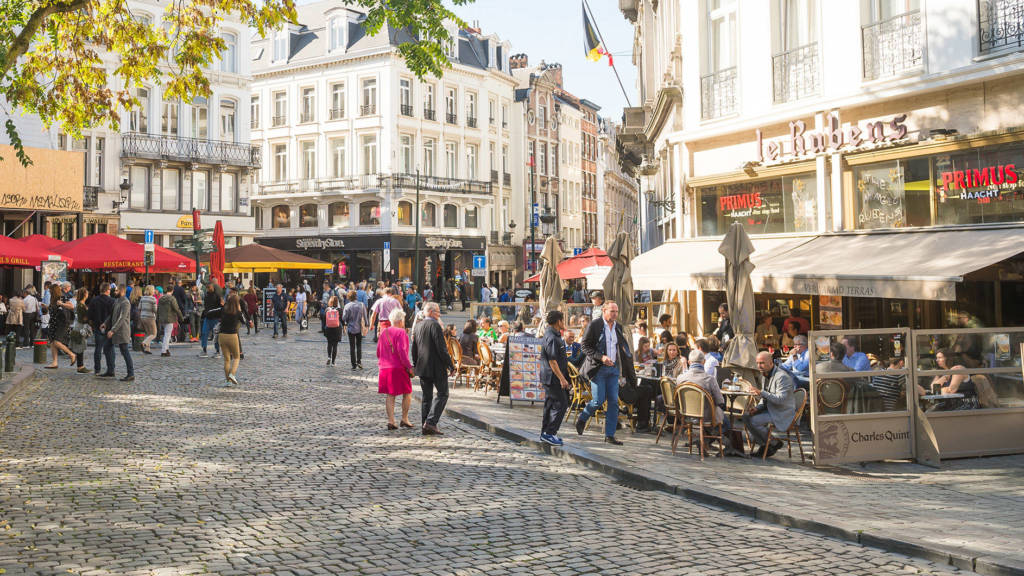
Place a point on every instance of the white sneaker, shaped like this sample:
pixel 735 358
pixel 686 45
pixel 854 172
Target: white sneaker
pixel 232 381
pixel 204 355
pixel 217 355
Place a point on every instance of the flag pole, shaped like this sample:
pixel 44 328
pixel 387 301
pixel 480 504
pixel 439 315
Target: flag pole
pixel 597 29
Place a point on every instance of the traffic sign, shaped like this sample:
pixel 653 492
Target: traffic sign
pixel 149 258
pixel 479 261
pixel 150 248
pixel 149 236
pixel 184 245
pixel 577 251
pixel 206 247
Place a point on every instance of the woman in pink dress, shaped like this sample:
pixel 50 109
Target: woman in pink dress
pixel 395 368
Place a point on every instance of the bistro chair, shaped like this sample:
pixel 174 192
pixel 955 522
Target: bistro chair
pixel 580 391
pixel 487 373
pixel 831 395
pixel 455 351
pixel 800 397
pixel 692 399
pixel 668 396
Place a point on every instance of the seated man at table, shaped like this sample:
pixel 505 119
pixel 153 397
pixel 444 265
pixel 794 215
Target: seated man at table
pixel 837 351
pixel 854 358
pixel 777 406
pixel 695 374
pixel 891 388
pixel 798 362
pixel 573 349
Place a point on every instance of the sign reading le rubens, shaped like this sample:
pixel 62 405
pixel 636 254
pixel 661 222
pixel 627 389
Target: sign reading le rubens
pixel 802 142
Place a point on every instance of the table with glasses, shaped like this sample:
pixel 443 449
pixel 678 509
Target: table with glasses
pixel 731 394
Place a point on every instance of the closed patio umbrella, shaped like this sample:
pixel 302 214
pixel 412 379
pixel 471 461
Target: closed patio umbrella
pixel 618 284
pixel 741 351
pixel 217 257
pixel 551 284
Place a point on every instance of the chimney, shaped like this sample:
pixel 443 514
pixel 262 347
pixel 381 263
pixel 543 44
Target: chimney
pixel 554 73
pixel 517 61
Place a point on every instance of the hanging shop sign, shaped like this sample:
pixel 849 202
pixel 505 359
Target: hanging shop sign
pixel 803 142
pixel 435 242
pixel 318 243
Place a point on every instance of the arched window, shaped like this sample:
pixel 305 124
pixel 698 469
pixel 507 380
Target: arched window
pixel 338 214
pixel 307 216
pixel 429 215
pixel 281 217
pixel 405 213
pixel 229 58
pixel 369 213
pixel 451 216
pixel 471 217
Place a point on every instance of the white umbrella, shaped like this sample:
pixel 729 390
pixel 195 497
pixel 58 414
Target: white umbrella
pixel 741 351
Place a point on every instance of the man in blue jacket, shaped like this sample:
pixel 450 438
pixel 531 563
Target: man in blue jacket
pixel 280 303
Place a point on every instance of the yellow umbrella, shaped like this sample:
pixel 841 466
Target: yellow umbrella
pixel 259 258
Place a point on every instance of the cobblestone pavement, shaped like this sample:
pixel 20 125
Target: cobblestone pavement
pixel 293 472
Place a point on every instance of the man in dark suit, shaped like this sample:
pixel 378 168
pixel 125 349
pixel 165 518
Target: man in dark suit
pixel 608 355
pixel 433 365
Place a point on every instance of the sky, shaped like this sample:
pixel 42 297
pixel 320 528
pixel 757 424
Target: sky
pixel 552 30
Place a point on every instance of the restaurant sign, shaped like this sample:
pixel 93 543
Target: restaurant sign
pixel 840 440
pixel 803 142
pixel 983 185
pixel 318 243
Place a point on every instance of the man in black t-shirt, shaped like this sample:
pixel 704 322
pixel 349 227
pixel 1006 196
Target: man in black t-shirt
pixel 554 373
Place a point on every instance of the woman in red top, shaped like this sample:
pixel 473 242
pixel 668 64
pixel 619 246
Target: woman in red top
pixel 252 308
pixel 395 367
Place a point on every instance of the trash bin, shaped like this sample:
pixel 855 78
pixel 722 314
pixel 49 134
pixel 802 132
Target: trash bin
pixel 137 341
pixel 39 351
pixel 12 351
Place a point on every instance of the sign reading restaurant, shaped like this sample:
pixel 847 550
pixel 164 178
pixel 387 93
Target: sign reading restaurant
pixel 803 142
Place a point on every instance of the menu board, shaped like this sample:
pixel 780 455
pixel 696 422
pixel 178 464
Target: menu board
pixel 524 362
pixel 830 312
pixel 268 305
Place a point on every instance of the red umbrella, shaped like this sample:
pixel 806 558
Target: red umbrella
pixel 16 254
pixel 217 257
pixel 42 242
pixel 579 266
pixel 168 261
pixel 107 252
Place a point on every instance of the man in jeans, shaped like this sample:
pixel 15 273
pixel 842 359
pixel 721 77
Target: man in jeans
pixel 354 318
pixel 608 354
pixel 280 304
pixel 29 316
pixel 100 309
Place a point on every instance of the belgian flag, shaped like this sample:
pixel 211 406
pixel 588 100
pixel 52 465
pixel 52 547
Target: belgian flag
pixel 592 43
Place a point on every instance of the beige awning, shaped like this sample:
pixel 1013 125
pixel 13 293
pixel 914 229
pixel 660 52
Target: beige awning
pixel 923 265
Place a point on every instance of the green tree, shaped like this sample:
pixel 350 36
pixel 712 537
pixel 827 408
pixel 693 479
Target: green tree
pixel 78 63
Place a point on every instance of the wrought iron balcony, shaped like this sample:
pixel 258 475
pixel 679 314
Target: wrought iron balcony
pixel 439 184
pixel 367 109
pixel 323 185
pixel 138 145
pixel 337 113
pixel 428 113
pixel 471 121
pixel 500 238
pixel 893 46
pixel 506 179
pixel 795 73
pixel 406 110
pixel 718 93
pixel 279 120
pixel 451 118
pixel 254 124
pixel 1000 25
pixel 306 117
pixel 91 197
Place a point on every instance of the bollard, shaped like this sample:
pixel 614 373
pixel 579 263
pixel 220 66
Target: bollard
pixel 39 351
pixel 137 341
pixel 12 352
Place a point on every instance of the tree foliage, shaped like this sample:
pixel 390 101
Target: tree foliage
pixel 78 63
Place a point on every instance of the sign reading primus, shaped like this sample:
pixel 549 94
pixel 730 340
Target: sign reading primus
pixel 445 243
pixel 321 243
pixel 801 142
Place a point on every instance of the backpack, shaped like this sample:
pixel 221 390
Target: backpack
pixel 331 318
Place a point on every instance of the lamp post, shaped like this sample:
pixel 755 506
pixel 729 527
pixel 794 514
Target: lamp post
pixel 125 188
pixel 533 218
pixel 417 276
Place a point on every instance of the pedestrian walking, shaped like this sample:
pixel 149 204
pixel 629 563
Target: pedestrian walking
pixel 16 315
pixel 251 305
pixel 230 319
pixel 101 308
pixel 81 331
pixel 280 304
pixel 30 315
pixel 212 307
pixel 354 318
pixel 147 317
pixel 62 314
pixel 300 307
pixel 608 356
pixel 554 370
pixel 168 315
pixel 196 317
pixel 396 372
pixel 119 333
pixel 433 365
pixel 332 329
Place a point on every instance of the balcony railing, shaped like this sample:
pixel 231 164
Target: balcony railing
pixel 795 73
pixel 138 145
pixel 279 120
pixel 439 184
pixel 1000 25
pixel 367 109
pixel 718 93
pixel 337 113
pixel 506 179
pixel 91 197
pixel 451 118
pixel 501 238
pixel 406 110
pixel 471 121
pixel 893 46
pixel 429 114
pixel 306 117
pixel 254 124
pixel 324 185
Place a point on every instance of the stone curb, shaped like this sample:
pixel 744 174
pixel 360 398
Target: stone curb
pixel 961 558
pixel 13 382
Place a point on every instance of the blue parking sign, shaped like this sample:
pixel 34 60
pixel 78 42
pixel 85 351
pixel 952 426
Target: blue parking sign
pixel 149 236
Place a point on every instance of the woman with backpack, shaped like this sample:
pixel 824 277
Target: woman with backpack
pixel 332 328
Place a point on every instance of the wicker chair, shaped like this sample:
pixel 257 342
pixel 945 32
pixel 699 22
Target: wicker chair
pixel 692 400
pixel 800 397
pixel 580 392
pixel 455 351
pixel 488 374
pixel 671 408
pixel 831 395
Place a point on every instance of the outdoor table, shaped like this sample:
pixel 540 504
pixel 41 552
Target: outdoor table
pixel 731 396
pixel 937 397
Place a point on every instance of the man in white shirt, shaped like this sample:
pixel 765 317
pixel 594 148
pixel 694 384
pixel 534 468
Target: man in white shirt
pixel 608 355
pixel 29 316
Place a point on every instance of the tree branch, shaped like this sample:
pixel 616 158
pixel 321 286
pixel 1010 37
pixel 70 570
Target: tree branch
pixel 23 40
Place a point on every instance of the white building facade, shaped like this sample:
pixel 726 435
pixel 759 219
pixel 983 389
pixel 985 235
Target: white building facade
pixel 349 134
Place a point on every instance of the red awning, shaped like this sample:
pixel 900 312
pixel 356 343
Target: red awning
pixel 581 265
pixel 107 252
pixel 42 242
pixel 17 254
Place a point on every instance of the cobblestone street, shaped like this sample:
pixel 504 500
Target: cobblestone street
pixel 294 472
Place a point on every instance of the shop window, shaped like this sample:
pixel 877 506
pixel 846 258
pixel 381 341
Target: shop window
pixel 429 216
pixel 892 194
pixel 451 216
pixel 281 217
pixel 980 186
pixel 369 213
pixel 339 214
pixel 405 213
pixel 307 216
pixel 773 206
pixel 471 217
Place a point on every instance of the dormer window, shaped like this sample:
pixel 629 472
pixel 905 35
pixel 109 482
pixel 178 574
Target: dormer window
pixel 491 60
pixel 338 26
pixel 452 47
pixel 281 46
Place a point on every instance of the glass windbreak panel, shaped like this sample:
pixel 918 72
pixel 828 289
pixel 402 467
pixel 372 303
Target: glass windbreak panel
pixel 837 359
pixel 893 194
pixel 980 186
pixel 994 354
pixel 765 207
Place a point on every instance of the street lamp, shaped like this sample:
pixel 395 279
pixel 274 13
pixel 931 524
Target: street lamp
pixel 125 189
pixel 647 170
pixel 417 276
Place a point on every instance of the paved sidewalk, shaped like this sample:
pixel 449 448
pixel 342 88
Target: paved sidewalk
pixel 970 511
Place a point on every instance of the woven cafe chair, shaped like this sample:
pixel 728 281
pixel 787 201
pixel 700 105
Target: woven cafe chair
pixel 580 391
pixel 800 397
pixel 668 395
pixel 831 395
pixel 455 351
pixel 692 399
pixel 487 373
